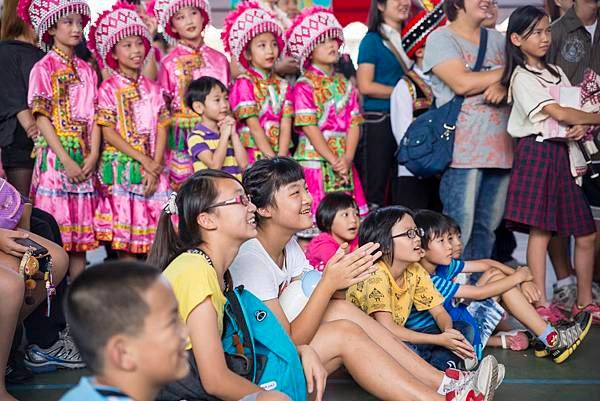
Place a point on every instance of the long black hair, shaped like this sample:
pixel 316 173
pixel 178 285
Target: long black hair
pixel 194 197
pixel 522 22
pixel 375 15
pixel 377 228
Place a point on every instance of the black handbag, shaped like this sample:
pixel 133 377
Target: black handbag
pixel 427 147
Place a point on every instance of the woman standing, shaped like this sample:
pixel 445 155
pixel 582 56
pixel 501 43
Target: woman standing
pixel 378 73
pixel 18 54
pixel 473 189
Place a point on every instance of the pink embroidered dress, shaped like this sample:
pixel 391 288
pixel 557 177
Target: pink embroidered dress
pixel 329 102
pixel 265 96
pixel 64 90
pixel 180 67
pixel 125 216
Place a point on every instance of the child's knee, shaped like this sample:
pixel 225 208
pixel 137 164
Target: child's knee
pixel 586 241
pixel 12 285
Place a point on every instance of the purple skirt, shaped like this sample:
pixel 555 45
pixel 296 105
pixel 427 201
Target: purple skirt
pixel 543 194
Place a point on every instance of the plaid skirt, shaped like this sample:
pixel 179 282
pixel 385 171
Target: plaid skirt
pixel 543 194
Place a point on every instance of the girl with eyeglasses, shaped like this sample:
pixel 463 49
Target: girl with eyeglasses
pixel 401 284
pixel 215 216
pixel 339 332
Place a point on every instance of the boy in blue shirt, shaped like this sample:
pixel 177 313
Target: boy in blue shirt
pixel 123 317
pixel 512 287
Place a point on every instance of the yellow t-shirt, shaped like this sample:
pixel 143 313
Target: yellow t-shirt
pixel 193 280
pixel 381 293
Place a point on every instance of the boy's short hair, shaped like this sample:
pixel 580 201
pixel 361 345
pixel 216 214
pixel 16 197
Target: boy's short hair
pixel 329 206
pixel 199 89
pixel 104 301
pixel 433 223
pixel 454 226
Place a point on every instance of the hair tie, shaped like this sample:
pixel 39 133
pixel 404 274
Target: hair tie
pixel 171 207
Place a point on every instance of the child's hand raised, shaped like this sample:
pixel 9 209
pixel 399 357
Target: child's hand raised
pixel 344 270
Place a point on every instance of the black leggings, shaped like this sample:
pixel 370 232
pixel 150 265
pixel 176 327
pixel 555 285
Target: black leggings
pixel 377 161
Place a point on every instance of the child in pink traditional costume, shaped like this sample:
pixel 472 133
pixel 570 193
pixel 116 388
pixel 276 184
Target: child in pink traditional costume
pixel 260 100
pixel 183 22
pixel 133 115
pixel 62 95
pixel 326 108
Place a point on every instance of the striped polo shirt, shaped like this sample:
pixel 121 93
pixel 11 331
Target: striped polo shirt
pixel 202 139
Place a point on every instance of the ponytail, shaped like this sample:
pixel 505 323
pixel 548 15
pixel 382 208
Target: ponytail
pixel 195 196
pixel 166 246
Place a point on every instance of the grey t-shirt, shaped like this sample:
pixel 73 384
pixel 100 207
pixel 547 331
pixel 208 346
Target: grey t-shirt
pixel 481 140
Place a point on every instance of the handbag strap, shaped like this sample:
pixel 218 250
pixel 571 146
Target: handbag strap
pixel 457 101
pixel 483 38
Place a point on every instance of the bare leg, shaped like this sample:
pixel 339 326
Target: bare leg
pixel 536 260
pixel 519 307
pixel 368 363
pixel 420 369
pixel 12 289
pixel 584 266
pixel 60 261
pixel 76 264
pixel 272 396
pixel 558 249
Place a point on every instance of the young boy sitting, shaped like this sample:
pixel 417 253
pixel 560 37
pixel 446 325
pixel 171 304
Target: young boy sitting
pixel 123 317
pixel 498 280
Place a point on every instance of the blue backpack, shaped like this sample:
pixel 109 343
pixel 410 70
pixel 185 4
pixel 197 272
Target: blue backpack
pixel 257 347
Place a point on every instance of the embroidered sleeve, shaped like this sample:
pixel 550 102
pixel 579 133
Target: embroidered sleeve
pixel 355 117
pixel 288 103
pixel 305 109
pixel 106 109
pixel 164 117
pixel 40 91
pixel 242 99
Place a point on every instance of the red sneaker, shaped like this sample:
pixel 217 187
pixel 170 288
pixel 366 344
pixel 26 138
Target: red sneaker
pixel 551 313
pixel 593 309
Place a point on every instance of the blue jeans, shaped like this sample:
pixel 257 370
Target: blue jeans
pixel 475 199
pixel 437 356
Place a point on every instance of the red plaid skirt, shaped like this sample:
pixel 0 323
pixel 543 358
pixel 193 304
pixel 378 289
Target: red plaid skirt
pixel 543 194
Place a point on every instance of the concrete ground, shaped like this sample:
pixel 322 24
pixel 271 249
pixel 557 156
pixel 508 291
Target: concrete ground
pixel 527 379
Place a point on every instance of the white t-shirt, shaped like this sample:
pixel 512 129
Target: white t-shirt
pixel 592 29
pixel 257 272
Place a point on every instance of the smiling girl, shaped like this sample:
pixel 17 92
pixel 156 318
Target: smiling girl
pixel 183 23
pixel 327 114
pixel 338 220
pixel 260 99
pixel 340 333
pixel 134 117
pixel 62 94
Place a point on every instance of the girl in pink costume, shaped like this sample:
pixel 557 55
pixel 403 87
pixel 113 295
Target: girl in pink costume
pixel 133 115
pixel 260 100
pixel 327 115
pixel 62 94
pixel 183 23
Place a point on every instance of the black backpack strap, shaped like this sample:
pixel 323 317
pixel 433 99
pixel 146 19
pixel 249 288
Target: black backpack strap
pixel 237 313
pixel 483 39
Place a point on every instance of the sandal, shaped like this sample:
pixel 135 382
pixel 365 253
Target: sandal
pixel 515 340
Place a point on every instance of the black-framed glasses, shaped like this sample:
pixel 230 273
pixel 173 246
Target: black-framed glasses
pixel 412 233
pixel 243 200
